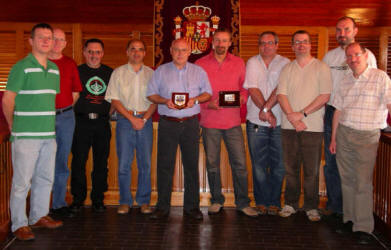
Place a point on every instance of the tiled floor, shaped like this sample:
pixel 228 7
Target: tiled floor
pixel 227 230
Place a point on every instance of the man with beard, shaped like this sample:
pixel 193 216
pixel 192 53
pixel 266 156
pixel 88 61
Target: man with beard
pixel 304 88
pixel 92 128
pixel 226 72
pixel 346 30
pixel 361 102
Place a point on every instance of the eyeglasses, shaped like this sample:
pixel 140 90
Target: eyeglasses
pixel 297 42
pixel 96 52
pixel 350 57
pixel 268 43
pixel 59 39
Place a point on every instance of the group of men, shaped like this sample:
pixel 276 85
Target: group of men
pixel 285 126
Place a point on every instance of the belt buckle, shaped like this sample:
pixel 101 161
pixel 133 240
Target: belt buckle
pixel 92 116
pixel 135 113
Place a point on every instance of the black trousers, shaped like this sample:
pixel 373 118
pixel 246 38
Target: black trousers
pixel 95 134
pixel 187 135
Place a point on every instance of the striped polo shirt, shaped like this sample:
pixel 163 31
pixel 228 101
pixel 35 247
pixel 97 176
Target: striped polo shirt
pixel 36 88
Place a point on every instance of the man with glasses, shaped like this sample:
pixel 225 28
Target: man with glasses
pixel 29 108
pixel 346 30
pixel 304 88
pixel 70 87
pixel 264 123
pixel 226 72
pixel 92 128
pixel 361 102
pixel 178 87
pixel 127 93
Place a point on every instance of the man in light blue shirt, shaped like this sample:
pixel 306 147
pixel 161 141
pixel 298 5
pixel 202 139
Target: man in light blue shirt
pixel 178 125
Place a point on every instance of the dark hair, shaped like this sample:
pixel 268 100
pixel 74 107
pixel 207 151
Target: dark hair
pixel 276 39
pixel 136 40
pixel 94 40
pixel 40 26
pixel 348 18
pixel 356 43
pixel 301 32
pixel 223 30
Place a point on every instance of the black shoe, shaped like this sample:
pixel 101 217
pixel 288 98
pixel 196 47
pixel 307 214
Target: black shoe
pixel 363 238
pixel 159 214
pixel 194 213
pixel 344 228
pixel 63 212
pixel 98 207
pixel 75 207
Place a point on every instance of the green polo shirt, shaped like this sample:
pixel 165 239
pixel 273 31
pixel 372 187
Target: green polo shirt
pixel 36 88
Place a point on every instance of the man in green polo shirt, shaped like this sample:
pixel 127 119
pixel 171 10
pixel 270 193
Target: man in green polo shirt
pixel 28 105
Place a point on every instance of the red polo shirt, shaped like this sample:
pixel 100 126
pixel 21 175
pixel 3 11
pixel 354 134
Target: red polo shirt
pixel 227 76
pixel 69 81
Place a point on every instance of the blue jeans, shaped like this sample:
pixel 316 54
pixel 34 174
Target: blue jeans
pixel 33 167
pixel 128 140
pixel 268 167
pixel 331 173
pixel 234 142
pixel 65 125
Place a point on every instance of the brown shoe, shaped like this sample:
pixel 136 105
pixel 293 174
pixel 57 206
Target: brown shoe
pixel 261 209
pixel 47 222
pixel 145 209
pixel 273 210
pixel 123 209
pixel 24 233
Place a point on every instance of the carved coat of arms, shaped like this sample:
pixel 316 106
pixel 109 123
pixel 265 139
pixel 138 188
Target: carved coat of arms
pixel 196 28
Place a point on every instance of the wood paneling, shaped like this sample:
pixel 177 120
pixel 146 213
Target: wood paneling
pixel 317 12
pixel 381 180
pixel 5 179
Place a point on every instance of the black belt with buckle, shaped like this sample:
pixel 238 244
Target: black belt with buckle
pixel 93 116
pixel 63 110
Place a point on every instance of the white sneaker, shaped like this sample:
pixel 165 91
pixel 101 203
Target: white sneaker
pixel 287 211
pixel 215 208
pixel 313 215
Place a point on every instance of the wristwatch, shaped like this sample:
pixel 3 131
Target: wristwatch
pixel 145 120
pixel 265 110
pixel 304 113
pixel 196 101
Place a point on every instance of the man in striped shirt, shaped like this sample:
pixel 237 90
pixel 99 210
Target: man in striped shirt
pixel 29 108
pixel 361 102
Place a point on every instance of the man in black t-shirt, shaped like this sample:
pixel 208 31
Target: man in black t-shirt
pixel 92 128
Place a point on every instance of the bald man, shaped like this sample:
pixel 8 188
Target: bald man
pixel 178 126
pixel 70 87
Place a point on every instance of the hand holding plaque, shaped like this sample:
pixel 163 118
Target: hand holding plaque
pixel 229 99
pixel 180 99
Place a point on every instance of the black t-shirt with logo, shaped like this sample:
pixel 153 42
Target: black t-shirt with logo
pixel 94 83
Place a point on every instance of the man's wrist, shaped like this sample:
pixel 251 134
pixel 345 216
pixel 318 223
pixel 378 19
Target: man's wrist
pixel 304 113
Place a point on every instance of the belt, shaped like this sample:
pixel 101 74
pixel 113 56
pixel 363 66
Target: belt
pixel 59 111
pixel 93 116
pixel 175 119
pixel 137 112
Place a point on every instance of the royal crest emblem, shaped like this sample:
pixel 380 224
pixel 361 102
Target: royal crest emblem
pixel 196 28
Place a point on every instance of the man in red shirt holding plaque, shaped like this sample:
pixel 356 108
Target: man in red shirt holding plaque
pixel 220 119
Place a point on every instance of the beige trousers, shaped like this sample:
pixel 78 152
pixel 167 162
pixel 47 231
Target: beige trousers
pixel 356 157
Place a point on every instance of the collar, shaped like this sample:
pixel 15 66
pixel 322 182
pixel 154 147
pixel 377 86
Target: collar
pixel 175 67
pixel 212 57
pixel 364 75
pixel 129 66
